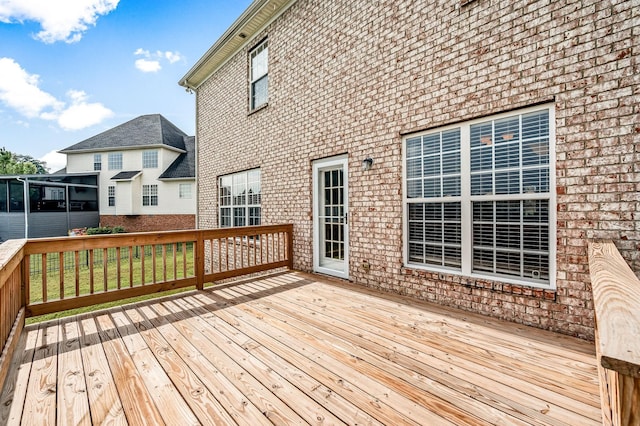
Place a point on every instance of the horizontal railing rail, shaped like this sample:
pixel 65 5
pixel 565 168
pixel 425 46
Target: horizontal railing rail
pixel 616 299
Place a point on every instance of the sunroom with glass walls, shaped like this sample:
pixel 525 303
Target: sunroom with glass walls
pixel 479 199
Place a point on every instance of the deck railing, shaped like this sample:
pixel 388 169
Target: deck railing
pixel 616 298
pixel 47 275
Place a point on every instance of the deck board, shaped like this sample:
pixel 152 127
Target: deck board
pixel 297 349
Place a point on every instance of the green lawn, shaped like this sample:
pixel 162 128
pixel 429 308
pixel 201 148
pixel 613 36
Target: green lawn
pixel 53 276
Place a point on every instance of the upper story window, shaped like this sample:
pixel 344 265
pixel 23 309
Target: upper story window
pixel 149 195
pixel 240 199
pixel 150 159
pixel 479 199
pixel 97 161
pixel 259 72
pixel 111 192
pixel 115 161
pixel 185 191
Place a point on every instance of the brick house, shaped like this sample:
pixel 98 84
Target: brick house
pixel 460 152
pixel 146 174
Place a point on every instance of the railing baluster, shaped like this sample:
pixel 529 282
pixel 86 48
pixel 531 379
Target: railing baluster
pixel 61 273
pixel 184 260
pixel 76 258
pixel 105 274
pixel 174 247
pixel 164 263
pixel 226 253
pixel 44 277
pixel 142 257
pixel 153 262
pixel 219 245
pixel 130 266
pixel 27 279
pixel 91 272
pixel 118 269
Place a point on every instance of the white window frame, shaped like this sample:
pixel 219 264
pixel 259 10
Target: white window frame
pixel 250 202
pixel 115 161
pixel 111 194
pixel 150 159
pixel 466 201
pixel 97 162
pixel 149 195
pixel 185 191
pixel 261 49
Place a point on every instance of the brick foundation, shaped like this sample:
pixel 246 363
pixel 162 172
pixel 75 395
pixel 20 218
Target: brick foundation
pixel 148 223
pixel 353 76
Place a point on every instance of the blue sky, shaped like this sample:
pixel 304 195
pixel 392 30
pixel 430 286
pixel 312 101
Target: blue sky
pixel 70 69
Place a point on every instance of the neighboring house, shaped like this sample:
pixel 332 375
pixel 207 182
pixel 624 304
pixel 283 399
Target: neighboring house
pixel 54 204
pixel 146 170
pixel 459 152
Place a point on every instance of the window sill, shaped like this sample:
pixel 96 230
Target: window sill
pixel 260 108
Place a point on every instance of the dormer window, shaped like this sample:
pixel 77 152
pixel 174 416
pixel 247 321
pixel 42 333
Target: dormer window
pixel 259 75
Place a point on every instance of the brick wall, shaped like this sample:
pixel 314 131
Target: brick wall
pixel 353 76
pixel 149 223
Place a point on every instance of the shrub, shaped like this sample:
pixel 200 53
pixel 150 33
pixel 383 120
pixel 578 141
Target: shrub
pixel 106 230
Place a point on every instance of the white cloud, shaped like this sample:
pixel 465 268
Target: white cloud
pixel 151 61
pixel 141 51
pixel 81 114
pixel 60 21
pixel 19 90
pixel 146 65
pixel 55 161
pixel 172 57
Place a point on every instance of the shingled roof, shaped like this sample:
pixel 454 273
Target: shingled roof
pixel 146 130
pixel 185 165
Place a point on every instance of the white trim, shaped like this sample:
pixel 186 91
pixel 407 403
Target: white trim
pixel 466 201
pixel 318 166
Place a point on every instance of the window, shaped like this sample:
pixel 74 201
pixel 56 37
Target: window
pixel 478 198
pixel 97 161
pixel 150 159
pixel 115 161
pixel 259 70
pixel 240 198
pixel 184 191
pixel 149 195
pixel 112 195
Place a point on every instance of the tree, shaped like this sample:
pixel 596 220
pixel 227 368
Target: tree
pixel 18 164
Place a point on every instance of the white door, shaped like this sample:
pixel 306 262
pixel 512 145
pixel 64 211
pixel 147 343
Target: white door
pixel 330 217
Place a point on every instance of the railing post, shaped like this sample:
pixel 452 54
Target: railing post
pixel 199 261
pixel 290 245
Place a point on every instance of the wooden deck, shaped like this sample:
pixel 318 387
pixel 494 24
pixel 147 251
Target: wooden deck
pixel 296 349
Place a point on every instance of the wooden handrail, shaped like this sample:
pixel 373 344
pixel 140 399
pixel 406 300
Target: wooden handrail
pixel 616 299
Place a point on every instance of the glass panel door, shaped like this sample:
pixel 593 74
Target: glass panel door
pixel 331 217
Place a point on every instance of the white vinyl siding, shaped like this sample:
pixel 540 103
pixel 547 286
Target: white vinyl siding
pixel 479 198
